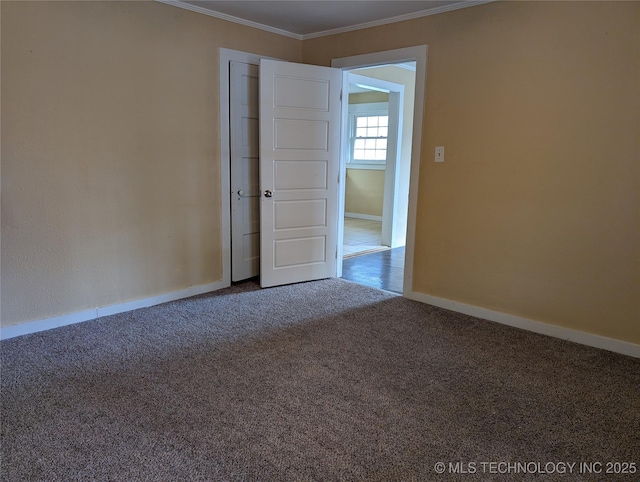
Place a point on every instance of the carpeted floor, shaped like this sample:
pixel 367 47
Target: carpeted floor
pixel 325 380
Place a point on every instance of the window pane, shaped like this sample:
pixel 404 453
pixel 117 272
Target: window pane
pixel 370 138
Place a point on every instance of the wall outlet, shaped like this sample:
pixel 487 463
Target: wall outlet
pixel 440 154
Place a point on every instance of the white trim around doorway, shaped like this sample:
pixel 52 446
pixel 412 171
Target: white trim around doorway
pixel 417 54
pixel 408 54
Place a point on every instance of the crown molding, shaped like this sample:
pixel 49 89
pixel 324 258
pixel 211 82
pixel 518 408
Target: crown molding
pixel 399 18
pixel 325 33
pixel 229 18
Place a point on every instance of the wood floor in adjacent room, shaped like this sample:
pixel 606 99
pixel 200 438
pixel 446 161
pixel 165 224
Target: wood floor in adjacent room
pixel 367 261
pixel 383 269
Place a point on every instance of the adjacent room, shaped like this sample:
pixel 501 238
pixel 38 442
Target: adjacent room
pixel 186 187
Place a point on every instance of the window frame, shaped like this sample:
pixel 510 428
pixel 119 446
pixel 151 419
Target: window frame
pixel 369 109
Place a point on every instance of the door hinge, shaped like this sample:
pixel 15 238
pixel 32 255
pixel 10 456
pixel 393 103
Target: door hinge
pixel 340 96
pixel 336 253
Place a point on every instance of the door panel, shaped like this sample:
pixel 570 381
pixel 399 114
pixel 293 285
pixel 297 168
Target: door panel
pixel 301 93
pixel 301 134
pixel 299 214
pixel 300 111
pixel 299 175
pixel 299 252
pixel 245 186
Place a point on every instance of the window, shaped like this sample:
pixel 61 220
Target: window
pixel 368 132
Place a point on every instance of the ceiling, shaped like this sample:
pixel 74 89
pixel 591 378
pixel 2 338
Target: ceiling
pixel 304 19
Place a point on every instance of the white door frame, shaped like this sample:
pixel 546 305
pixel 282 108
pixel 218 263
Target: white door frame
pixel 408 54
pixel 226 56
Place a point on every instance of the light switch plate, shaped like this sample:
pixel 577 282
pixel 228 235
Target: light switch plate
pixel 440 154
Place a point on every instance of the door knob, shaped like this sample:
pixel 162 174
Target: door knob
pixel 268 193
pixel 240 192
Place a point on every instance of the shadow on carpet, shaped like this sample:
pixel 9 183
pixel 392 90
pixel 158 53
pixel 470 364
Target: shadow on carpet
pixel 326 380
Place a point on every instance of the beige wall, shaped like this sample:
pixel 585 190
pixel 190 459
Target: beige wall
pixel 535 211
pixel 110 167
pixel 364 192
pixel 110 151
pixel 368 97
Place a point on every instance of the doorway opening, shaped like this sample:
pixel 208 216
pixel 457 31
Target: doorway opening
pixel 378 137
pixel 408 197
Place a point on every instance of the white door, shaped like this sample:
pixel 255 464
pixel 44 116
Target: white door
pixel 300 111
pixel 245 188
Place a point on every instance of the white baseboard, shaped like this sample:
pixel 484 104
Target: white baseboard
pixel 92 314
pixel 597 341
pixel 368 217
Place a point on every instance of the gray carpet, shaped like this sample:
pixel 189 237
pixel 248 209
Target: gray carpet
pixel 326 380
